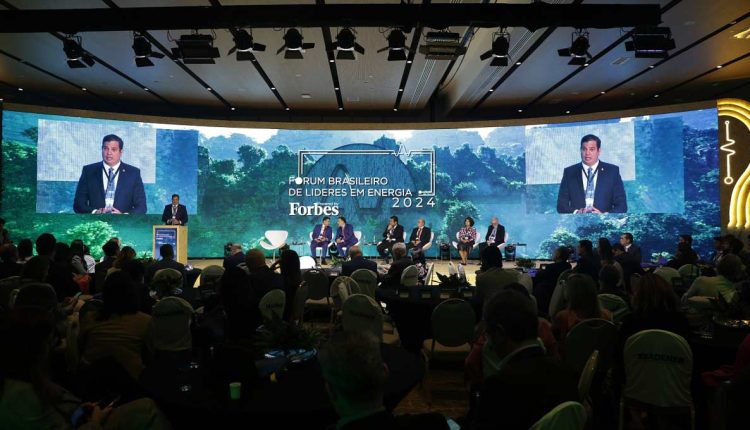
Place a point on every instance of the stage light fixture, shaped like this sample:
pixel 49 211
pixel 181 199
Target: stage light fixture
pixel 245 46
pixel 143 51
pixel 196 49
pixel 294 45
pixel 346 45
pixel 579 49
pixel 77 57
pixel 442 45
pixel 653 42
pixel 396 45
pixel 500 48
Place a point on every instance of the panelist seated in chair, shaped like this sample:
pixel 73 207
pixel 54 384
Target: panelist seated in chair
pixel 420 236
pixel 345 237
pixel 393 233
pixel 495 235
pixel 321 238
pixel 175 214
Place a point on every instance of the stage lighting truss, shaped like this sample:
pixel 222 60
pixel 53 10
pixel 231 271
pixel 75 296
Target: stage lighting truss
pixel 499 50
pixel 654 42
pixel 396 45
pixel 579 48
pixel 196 49
pixel 244 45
pixel 77 57
pixel 294 45
pixel 346 45
pixel 143 51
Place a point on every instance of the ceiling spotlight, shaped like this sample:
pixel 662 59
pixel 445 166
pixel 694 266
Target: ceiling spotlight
pixel 499 51
pixel 293 45
pixel 396 45
pixel 346 45
pixel 77 57
pixel 579 49
pixel 143 51
pixel 196 49
pixel 652 42
pixel 442 45
pixel 244 45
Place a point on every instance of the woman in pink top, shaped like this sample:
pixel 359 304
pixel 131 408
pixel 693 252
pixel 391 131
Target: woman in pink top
pixel 467 237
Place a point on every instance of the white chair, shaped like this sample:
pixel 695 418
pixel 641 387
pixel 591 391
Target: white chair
pixel 452 269
pixel 658 367
pixel 565 416
pixel 428 245
pixel 272 305
pixel 505 242
pixel 476 244
pixel 525 280
pixel 306 262
pixel 689 272
pixel 614 304
pixel 275 240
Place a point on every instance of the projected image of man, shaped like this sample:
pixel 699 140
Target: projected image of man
pixel 110 186
pixel 591 186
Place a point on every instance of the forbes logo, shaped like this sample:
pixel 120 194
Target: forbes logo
pixel 330 209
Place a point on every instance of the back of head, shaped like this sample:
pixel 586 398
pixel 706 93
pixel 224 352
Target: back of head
pixel 735 246
pixel 609 277
pixel 25 248
pixel 562 254
pixel 166 251
pixel 135 269
pixel 166 282
pixel 254 259
pixel 652 294
pixel 604 248
pixel 110 248
pixel 36 269
pixel 586 247
pixel 126 253
pixel 491 257
pixel 76 247
pixel 211 276
pixel 509 315
pixel 353 368
pixel 398 250
pixel 233 280
pixel 45 244
pixel 63 255
pixel 8 253
pixel 582 296
pixel 290 266
pixel 355 251
pixel 119 295
pixel 730 266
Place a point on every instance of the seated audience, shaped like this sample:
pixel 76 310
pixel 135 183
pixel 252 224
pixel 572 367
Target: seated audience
pixel 355 377
pixel 262 278
pixel 137 273
pixel 235 257
pixel 401 261
pixel 124 255
pixel 357 261
pixel 610 282
pixel 588 263
pixel 583 304
pixel 101 269
pixel 528 383
pixel 89 260
pixel 119 329
pixel 25 250
pixel 61 271
pixel 29 399
pixel 77 260
pixel 628 263
pixel 493 277
pixel 729 270
pixel 684 254
pixel 9 256
pixel 45 245
pixel 545 280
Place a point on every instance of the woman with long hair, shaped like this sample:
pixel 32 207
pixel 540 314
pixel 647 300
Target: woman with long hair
pixel 583 304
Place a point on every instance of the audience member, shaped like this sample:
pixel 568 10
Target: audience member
pixel 60 274
pixel 587 263
pixel 626 240
pixel 119 330
pixel 546 278
pixel 357 261
pixel 123 256
pixel 45 245
pixel 610 282
pixel 137 273
pixel 604 251
pixel 628 263
pixel 262 278
pixel 35 270
pixel 528 383
pixel 167 262
pixel 401 261
pixel 583 304
pixel 25 250
pixel 729 270
pixel 355 377
pixel 101 269
pixel 9 256
pixel 235 257
pixel 77 261
pixel 493 277
pixel 684 255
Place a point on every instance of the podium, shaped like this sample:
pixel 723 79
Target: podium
pixel 175 235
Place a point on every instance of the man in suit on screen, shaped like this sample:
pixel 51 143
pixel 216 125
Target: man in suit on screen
pixel 110 186
pixel 175 214
pixel 591 186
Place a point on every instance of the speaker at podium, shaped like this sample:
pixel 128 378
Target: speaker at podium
pixel 175 235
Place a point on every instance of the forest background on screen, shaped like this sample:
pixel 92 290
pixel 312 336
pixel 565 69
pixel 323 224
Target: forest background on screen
pixel 243 178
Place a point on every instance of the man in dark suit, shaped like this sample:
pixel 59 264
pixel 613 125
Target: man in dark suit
pixel 110 186
pixel 495 235
pixel 393 233
pixel 345 237
pixel 236 256
pixel 592 186
pixel 175 214
pixel 546 278
pixel 400 262
pixel 587 263
pixel 420 236
pixel 262 278
pixel 111 248
pixel 626 240
pixel 167 262
pixel 628 263
pixel 357 261
pixel 321 238
pixel 522 382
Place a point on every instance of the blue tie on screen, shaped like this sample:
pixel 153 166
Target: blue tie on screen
pixel 109 198
pixel 590 188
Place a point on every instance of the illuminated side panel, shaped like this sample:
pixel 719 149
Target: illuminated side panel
pixel 739 211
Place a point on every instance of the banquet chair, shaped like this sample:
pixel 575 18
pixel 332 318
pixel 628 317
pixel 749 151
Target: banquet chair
pixel 210 277
pixel 36 295
pixel 614 304
pixel 360 313
pixel 669 274
pixel 565 416
pixel 171 318
pixel 318 295
pixel 525 280
pixel 586 337
pixel 689 272
pixel 272 305
pixel 584 382
pixel 410 276
pixel 341 288
pixel 559 300
pixel 274 239
pixel 658 368
pixel 367 281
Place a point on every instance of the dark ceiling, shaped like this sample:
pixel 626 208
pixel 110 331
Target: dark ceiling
pixel 708 63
